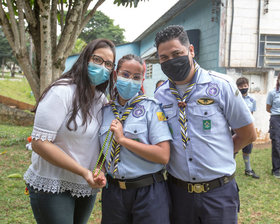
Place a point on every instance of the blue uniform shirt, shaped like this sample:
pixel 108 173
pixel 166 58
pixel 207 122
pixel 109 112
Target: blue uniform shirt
pixel 251 102
pixel 146 123
pixel 273 99
pixel 213 105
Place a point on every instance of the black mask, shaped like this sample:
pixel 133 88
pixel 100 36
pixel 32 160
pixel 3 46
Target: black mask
pixel 243 91
pixel 177 69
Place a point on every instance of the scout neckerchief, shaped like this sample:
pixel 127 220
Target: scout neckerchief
pixel 115 152
pixel 182 104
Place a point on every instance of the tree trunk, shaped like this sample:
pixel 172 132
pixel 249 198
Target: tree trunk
pixel 13 70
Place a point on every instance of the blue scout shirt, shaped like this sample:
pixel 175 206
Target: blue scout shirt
pixel 146 123
pixel 273 99
pixel 251 102
pixel 213 105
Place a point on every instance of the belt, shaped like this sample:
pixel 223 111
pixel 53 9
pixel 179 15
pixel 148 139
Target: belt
pixel 142 181
pixel 201 187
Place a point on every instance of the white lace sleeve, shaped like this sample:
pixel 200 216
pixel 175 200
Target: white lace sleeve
pixel 50 114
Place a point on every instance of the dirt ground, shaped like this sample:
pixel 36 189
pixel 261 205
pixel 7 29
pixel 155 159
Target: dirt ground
pixel 265 145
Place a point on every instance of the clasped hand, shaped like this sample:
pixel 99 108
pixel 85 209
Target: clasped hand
pixel 117 129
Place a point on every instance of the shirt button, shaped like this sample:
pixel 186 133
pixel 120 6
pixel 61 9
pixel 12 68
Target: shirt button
pixel 135 131
pixel 187 120
pixel 119 161
pixel 122 177
pixel 194 178
pixel 205 113
pixel 190 159
pixel 120 112
pixel 166 117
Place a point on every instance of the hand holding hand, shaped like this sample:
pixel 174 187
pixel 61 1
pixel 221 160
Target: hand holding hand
pixel 95 181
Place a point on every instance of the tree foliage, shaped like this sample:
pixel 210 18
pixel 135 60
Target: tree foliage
pixel 40 19
pixel 6 51
pixel 101 26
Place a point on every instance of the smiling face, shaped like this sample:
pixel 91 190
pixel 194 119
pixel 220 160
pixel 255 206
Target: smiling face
pixel 131 69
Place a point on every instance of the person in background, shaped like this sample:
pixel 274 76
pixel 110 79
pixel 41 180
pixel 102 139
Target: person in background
pixel 65 143
pixel 200 106
pixel 243 86
pixel 273 107
pixel 137 191
pixel 159 83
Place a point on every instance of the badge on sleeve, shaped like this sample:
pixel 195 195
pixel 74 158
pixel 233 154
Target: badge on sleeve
pixel 206 124
pixel 161 116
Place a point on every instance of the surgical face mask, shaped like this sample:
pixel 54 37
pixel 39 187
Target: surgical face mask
pixel 127 88
pixel 244 91
pixel 97 74
pixel 177 69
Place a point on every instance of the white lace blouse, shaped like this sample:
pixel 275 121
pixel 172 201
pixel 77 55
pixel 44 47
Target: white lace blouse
pixel 82 145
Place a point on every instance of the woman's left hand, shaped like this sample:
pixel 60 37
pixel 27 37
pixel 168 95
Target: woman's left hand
pixel 117 128
pixel 95 181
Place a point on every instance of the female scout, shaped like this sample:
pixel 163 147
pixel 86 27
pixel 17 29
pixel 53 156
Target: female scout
pixel 136 191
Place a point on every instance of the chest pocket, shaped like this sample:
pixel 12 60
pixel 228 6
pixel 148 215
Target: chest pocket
pixel 136 131
pixel 171 116
pixel 205 119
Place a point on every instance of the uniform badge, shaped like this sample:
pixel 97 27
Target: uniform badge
pixel 206 124
pixel 138 111
pixel 161 116
pixel 212 89
pixel 205 101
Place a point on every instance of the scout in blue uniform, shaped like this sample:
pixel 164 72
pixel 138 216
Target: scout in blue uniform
pixel 243 86
pixel 200 106
pixel 273 107
pixel 137 191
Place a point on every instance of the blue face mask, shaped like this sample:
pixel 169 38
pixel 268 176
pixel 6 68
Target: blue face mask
pixel 127 88
pixel 97 74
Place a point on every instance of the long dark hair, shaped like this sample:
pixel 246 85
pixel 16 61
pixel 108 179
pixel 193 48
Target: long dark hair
pixel 277 82
pixel 128 57
pixel 78 74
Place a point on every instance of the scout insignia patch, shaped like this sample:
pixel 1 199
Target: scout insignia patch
pixel 205 101
pixel 138 111
pixel 212 89
pixel 206 124
pixel 161 116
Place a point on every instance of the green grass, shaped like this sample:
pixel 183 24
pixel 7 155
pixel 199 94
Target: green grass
pixel 8 86
pixel 260 199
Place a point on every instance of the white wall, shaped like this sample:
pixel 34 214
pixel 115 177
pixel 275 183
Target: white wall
pixel 244 33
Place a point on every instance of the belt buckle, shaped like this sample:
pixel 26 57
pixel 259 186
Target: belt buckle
pixel 122 185
pixel 197 188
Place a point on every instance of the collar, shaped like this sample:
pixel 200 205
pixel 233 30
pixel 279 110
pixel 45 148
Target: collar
pixel 127 103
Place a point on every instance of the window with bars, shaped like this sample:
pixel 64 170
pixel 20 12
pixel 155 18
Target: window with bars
pixel 269 56
pixel 149 71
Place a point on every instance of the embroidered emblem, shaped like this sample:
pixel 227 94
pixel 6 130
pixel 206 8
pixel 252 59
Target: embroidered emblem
pixel 205 101
pixel 212 89
pixel 161 116
pixel 206 124
pixel 138 111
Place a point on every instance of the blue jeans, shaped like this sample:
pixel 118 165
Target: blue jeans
pixel 60 208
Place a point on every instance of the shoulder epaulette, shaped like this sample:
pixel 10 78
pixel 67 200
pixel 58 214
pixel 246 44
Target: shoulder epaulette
pixel 220 75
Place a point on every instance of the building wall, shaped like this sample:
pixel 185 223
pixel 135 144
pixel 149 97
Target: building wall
pixel 245 30
pixel 197 16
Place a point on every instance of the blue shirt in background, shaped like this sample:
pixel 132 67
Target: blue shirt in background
pixel 273 99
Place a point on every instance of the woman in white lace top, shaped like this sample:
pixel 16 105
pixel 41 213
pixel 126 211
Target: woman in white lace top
pixel 60 180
